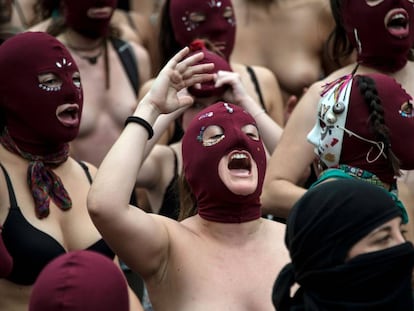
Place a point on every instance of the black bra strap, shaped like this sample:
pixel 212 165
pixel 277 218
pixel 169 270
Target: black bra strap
pixel 175 162
pixel 12 196
pixel 253 77
pixel 86 169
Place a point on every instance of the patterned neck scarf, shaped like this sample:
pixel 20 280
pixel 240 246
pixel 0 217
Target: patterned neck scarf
pixel 43 182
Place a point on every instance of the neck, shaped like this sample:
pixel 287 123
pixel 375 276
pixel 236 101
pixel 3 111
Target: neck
pixel 88 49
pixel 77 42
pixel 232 233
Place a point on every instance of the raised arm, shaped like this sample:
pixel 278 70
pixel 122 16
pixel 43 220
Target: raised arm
pixel 291 158
pixel 269 130
pixel 140 239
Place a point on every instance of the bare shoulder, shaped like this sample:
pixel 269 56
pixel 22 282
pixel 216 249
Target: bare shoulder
pixel 79 167
pixel 142 23
pixel 263 74
pixel 140 52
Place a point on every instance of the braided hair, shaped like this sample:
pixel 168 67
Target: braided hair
pixel 369 92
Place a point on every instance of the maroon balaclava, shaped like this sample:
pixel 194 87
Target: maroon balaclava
pixel 375 33
pixel 208 89
pixel 361 154
pixel 76 17
pixel 80 281
pixel 215 202
pixel 217 27
pixel 39 119
pixel 32 117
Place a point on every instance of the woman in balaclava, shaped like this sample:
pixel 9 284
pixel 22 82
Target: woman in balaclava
pixel 42 189
pixel 226 254
pixel 348 251
pixel 361 112
pixel 80 281
pixel 183 21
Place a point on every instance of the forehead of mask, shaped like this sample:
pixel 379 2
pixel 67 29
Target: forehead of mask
pixel 27 55
pixel 332 217
pixel 216 27
pixel 76 11
pixel 30 108
pixel 208 89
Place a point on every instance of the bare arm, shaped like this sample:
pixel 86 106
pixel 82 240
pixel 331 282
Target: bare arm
pixel 271 93
pixel 291 158
pixel 140 239
pixel 269 130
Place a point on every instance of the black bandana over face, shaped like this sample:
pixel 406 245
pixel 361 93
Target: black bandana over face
pixel 321 229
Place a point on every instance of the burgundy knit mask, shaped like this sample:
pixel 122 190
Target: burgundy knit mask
pixel 219 25
pixel 76 16
pixel 382 34
pixel 39 118
pixel 80 280
pixel 215 202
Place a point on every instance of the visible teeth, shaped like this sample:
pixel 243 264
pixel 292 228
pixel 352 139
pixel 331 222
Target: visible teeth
pixel 239 156
pixel 398 16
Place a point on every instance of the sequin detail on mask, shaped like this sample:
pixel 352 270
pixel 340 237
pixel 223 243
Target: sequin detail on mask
pixel 63 63
pixel 214 4
pixel 49 89
pixel 407 110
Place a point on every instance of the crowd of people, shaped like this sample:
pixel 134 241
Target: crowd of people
pixel 206 155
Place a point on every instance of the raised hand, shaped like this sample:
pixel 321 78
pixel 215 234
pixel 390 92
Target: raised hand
pixel 178 73
pixel 237 93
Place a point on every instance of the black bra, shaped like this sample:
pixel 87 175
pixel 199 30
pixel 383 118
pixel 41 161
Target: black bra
pixel 31 248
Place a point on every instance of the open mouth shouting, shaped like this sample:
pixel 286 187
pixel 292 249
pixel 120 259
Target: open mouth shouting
pixel 240 163
pixel 68 115
pixel 396 22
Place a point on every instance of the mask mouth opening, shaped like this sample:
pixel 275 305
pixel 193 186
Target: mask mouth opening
pixel 396 22
pixel 100 13
pixel 240 160
pixel 68 115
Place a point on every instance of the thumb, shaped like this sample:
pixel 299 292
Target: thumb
pixel 185 101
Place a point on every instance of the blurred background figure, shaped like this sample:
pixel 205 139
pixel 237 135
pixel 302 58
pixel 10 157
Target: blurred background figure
pixel 298 53
pixel 182 21
pixel 7 29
